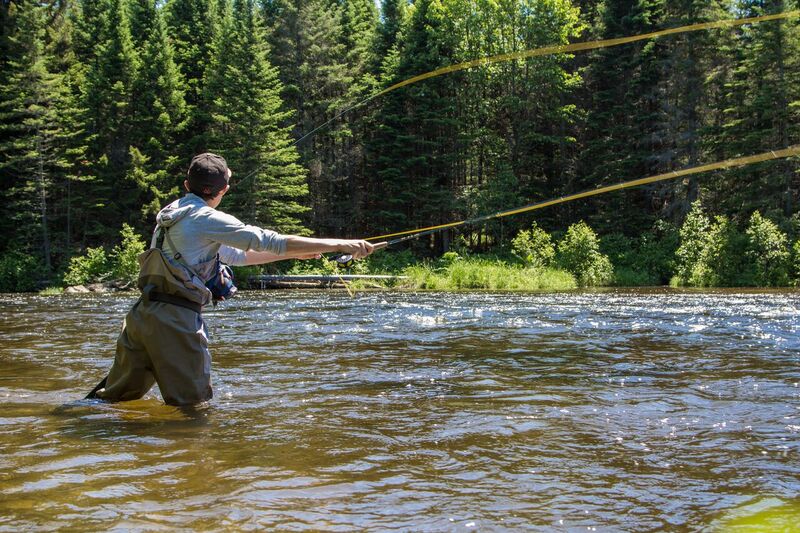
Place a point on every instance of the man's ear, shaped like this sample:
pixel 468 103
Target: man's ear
pixel 186 185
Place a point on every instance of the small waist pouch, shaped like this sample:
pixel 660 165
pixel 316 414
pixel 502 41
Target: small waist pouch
pixel 222 285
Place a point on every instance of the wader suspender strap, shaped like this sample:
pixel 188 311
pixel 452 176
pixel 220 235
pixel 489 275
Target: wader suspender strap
pixel 155 296
pixel 178 256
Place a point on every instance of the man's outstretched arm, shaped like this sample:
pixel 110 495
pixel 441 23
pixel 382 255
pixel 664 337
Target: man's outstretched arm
pixel 309 248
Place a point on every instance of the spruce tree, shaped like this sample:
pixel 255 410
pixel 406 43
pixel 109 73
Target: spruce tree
pixel 360 27
pixel 761 113
pixel 413 148
pixel 620 139
pixel 686 114
pixel 192 27
pixel 108 95
pixel 359 30
pixel 158 111
pixel 247 128
pixel 323 50
pixel 32 134
pixel 393 14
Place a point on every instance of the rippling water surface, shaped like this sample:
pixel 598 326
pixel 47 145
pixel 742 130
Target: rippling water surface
pixel 632 410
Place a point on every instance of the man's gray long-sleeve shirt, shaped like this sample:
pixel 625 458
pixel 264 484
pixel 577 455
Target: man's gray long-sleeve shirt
pixel 199 232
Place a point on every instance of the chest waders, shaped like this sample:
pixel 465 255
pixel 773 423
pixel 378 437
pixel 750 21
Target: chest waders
pixel 163 339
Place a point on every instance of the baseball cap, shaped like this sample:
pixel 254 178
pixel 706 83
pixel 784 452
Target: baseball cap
pixel 208 173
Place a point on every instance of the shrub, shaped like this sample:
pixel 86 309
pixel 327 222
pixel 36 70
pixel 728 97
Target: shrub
pixel 620 249
pixel 91 267
pixel 579 254
pixel 648 260
pixel 655 253
pixel 20 272
pixel 534 247
pixel 767 251
pixel 796 263
pixel 124 257
pixel 720 262
pixel 693 238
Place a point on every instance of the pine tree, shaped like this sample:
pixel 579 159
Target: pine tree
pixel 761 113
pixel 413 147
pixel 158 111
pixel 192 26
pixel 323 80
pixel 108 95
pixel 91 25
pixel 622 86
pixel 685 95
pixel 32 134
pixel 247 127
pixel 359 30
pixel 393 13
pixel 360 27
pixel 323 50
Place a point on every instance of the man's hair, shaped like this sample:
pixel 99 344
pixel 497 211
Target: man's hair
pixel 208 175
pixel 204 195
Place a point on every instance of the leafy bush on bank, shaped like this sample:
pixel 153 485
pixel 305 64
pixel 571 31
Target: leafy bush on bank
pixel 715 253
pixel 91 267
pixel 647 260
pixel 768 252
pixel 703 252
pixel 579 254
pixel 20 272
pixel 96 265
pixel 534 247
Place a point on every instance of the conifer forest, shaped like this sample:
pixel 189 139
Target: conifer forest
pixel 104 102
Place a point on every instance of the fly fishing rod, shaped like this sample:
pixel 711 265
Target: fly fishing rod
pixel 407 235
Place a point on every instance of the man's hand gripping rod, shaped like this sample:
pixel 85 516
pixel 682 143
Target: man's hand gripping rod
pixel 346 260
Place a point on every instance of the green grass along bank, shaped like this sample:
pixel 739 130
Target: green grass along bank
pixel 704 251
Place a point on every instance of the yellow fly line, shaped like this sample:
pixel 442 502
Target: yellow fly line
pixel 577 47
pixel 556 49
pixel 544 51
pixel 590 45
pixel 720 165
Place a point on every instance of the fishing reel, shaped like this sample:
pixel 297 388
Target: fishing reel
pixel 343 261
pixel 346 260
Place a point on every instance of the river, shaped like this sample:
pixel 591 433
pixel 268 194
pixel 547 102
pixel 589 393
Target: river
pixel 623 410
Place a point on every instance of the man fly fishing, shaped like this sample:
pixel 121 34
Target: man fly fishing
pixel 164 339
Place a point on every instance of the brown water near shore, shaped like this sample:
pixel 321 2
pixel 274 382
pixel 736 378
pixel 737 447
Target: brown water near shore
pixel 608 411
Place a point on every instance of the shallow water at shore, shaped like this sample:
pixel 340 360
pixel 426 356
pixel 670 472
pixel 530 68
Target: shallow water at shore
pixel 612 410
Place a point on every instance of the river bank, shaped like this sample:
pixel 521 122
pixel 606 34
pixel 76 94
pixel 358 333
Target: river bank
pixel 460 274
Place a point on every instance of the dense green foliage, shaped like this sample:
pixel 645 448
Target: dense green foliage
pixel 718 253
pixel 534 247
pixel 96 265
pixel 579 254
pixel 91 267
pixel 103 102
pixel 124 257
pixel 20 273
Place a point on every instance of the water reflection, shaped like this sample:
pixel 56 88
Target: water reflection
pixel 608 410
